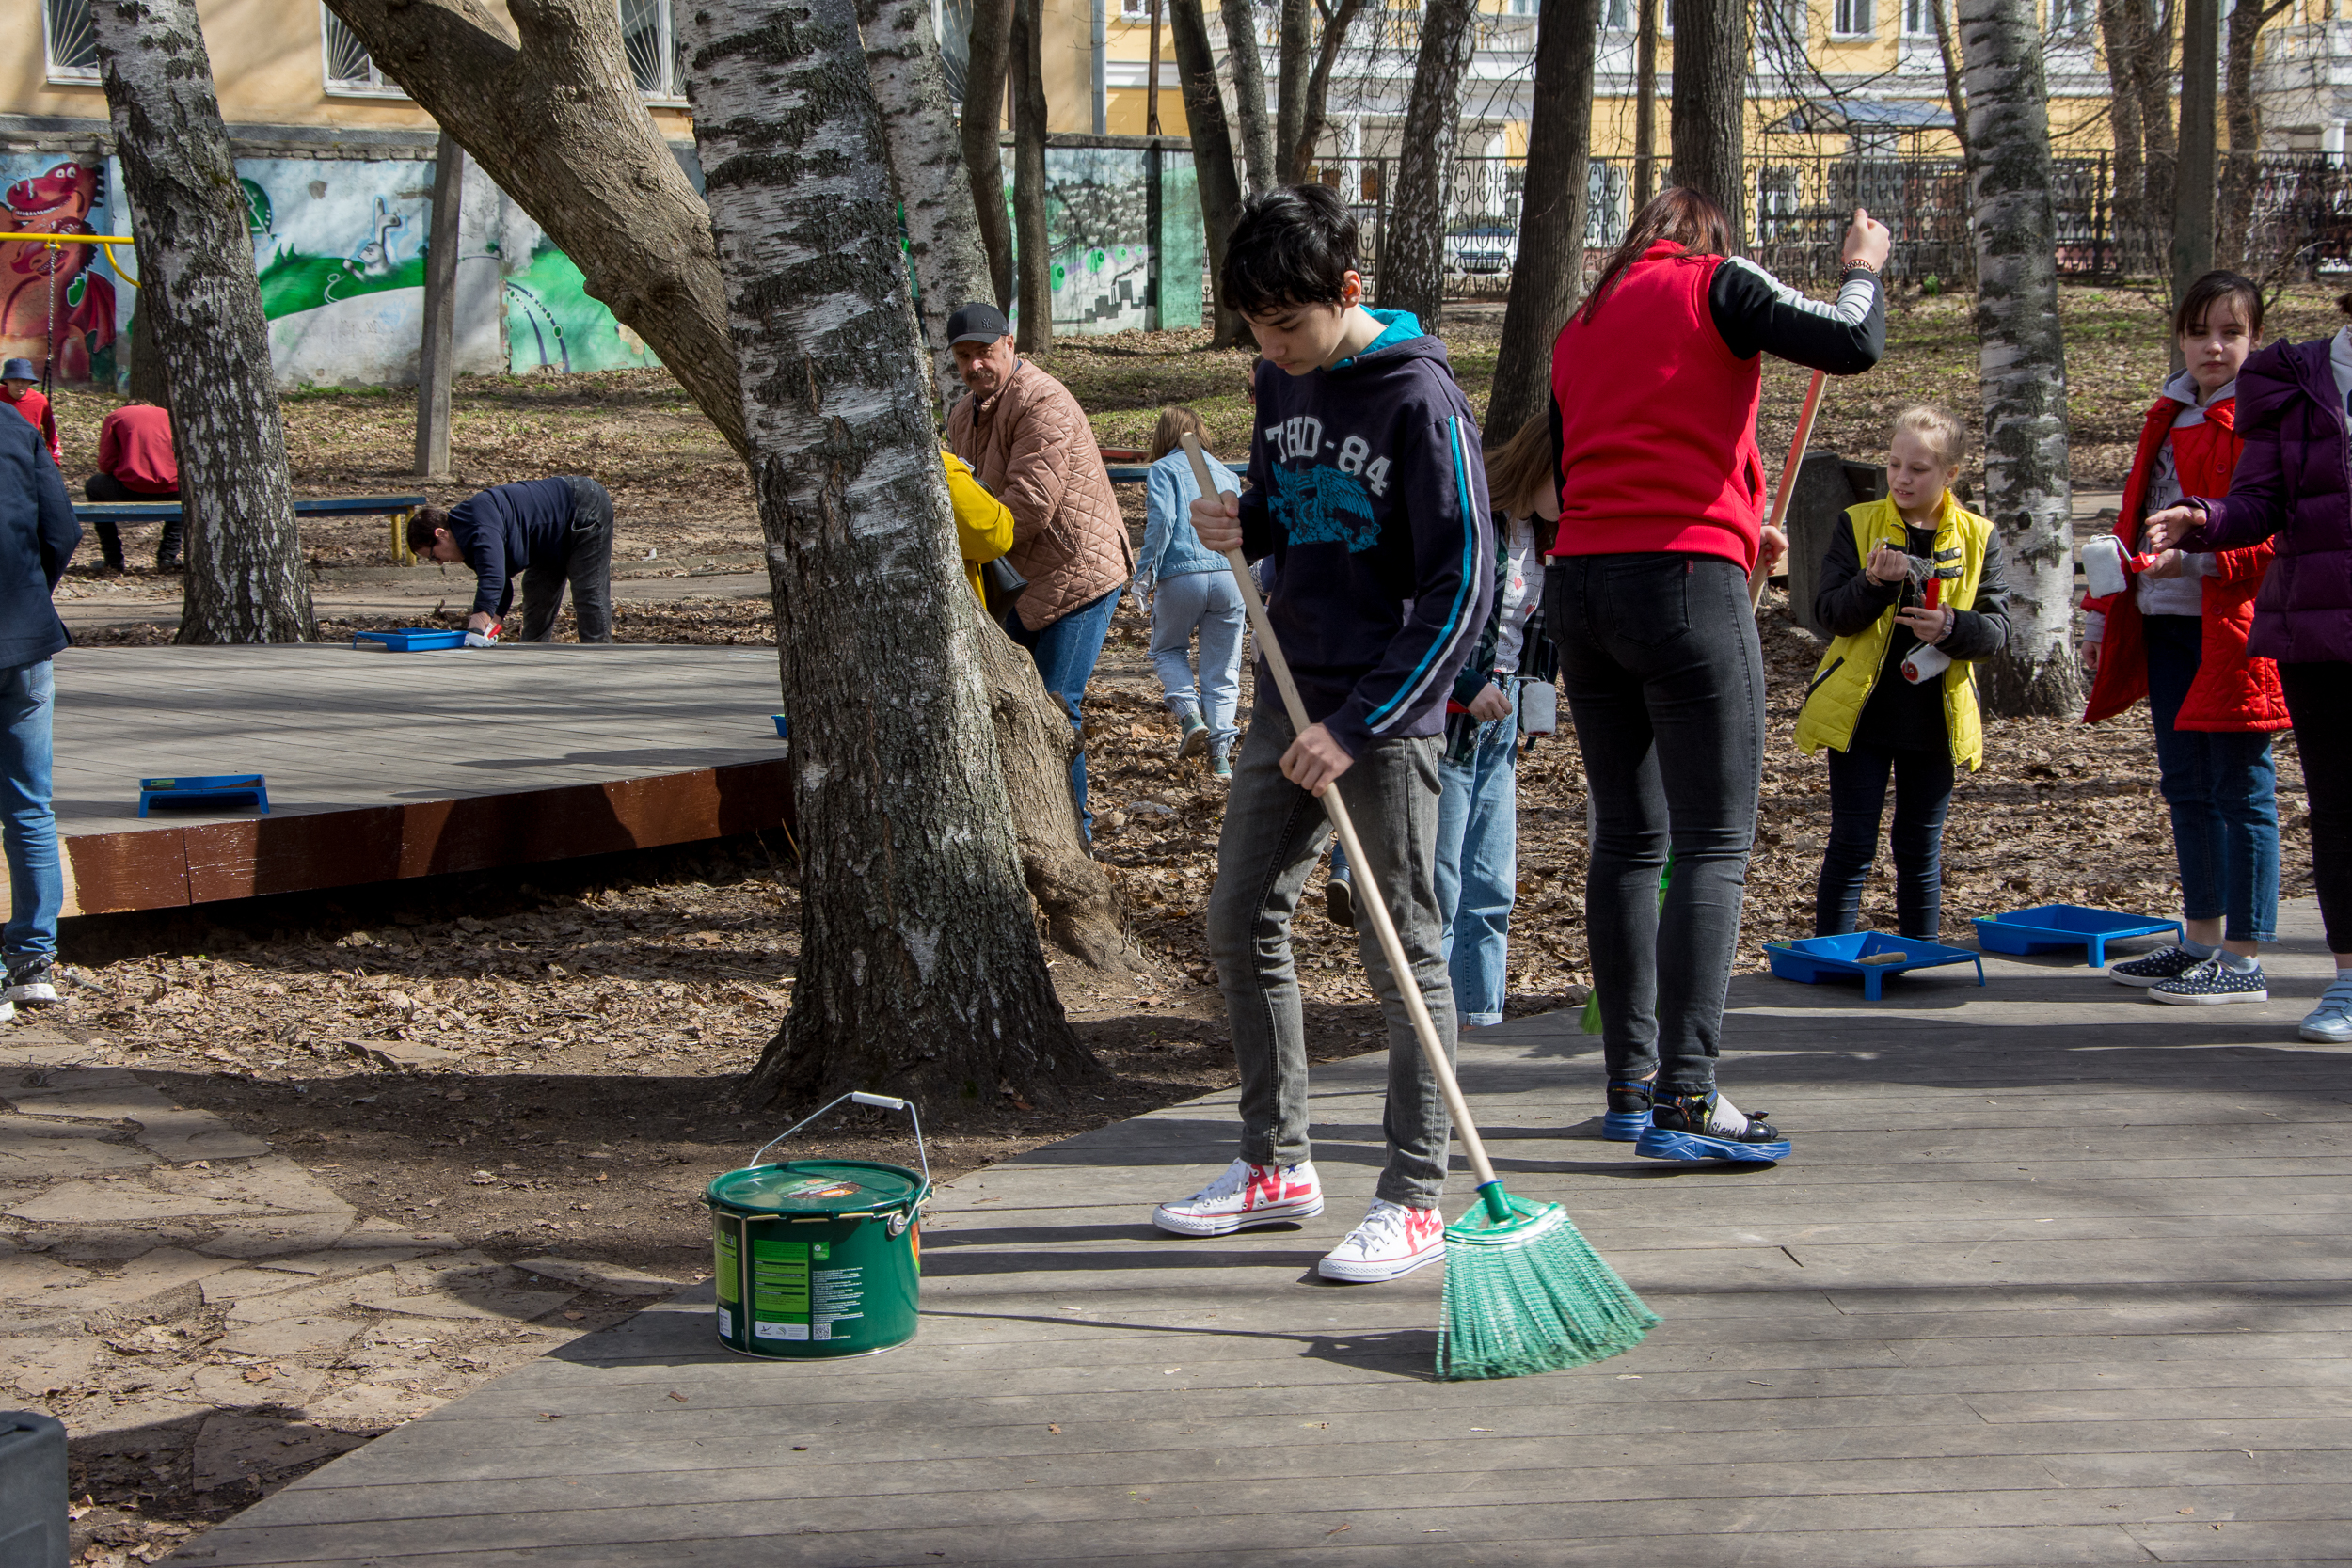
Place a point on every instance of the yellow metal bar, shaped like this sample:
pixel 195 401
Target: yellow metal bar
pixel 402 555
pixel 108 242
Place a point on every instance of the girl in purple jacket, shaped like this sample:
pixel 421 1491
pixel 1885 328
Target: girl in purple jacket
pixel 2292 489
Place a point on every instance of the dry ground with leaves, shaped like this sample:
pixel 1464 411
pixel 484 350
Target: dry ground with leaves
pixel 598 1012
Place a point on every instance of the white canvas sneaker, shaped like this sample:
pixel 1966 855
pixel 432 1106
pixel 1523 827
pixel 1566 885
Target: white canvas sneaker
pixel 1393 1241
pixel 1244 1198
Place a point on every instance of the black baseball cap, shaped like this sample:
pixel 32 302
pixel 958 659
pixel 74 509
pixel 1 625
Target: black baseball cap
pixel 977 323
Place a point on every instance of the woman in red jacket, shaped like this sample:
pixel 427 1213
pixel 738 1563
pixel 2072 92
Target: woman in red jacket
pixel 2177 635
pixel 1655 385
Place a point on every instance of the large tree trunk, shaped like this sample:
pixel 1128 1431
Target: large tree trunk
pixel 1314 109
pixel 2124 127
pixel 927 161
pixel 2150 30
pixel 558 123
pixel 1033 251
pixel 2022 357
pixel 147 361
pixel 1212 153
pixel 1644 104
pixel 1241 55
pixel 1412 251
pixel 895 925
pixel 244 576
pixel 1711 87
pixel 2193 181
pixel 1547 273
pixel 1290 101
pixel 983 104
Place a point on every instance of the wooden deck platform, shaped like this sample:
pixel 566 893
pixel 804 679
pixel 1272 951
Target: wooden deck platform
pixel 400 765
pixel 2055 1276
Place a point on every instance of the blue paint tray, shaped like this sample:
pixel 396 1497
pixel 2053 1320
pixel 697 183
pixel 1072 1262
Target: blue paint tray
pixel 1810 960
pixel 412 640
pixel 784 727
pixel 206 792
pixel 2054 928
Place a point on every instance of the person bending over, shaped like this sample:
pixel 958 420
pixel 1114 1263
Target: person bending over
pixel 548 533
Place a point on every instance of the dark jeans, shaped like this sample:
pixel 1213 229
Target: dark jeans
pixel 1858 798
pixel 2223 791
pixel 1274 833
pixel 586 566
pixel 1660 661
pixel 106 487
pixel 2319 698
pixel 1065 651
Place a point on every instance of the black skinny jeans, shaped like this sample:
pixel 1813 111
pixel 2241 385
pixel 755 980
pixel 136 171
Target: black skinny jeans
pixel 2319 700
pixel 1660 660
pixel 1857 799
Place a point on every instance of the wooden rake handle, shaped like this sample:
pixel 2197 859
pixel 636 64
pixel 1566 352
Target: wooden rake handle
pixel 1787 482
pixel 1392 947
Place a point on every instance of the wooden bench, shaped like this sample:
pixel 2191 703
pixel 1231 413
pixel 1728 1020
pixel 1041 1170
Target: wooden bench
pixel 395 507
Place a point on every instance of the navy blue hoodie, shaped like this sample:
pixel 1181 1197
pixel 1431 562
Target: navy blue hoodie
pixel 504 530
pixel 1367 486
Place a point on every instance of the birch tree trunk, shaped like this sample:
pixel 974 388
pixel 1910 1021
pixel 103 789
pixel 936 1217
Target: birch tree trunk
pixel 1249 72
pixel 1033 250
pixel 896 924
pixel 1710 87
pixel 1290 98
pixel 244 578
pixel 1412 252
pixel 983 106
pixel 1547 273
pixel 2021 357
pixel 926 165
pixel 1314 109
pixel 2193 182
pixel 1212 152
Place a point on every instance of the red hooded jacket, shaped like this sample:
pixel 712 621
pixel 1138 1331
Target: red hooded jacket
pixel 2231 692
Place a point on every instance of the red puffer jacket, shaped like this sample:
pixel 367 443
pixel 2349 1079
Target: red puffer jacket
pixel 2231 691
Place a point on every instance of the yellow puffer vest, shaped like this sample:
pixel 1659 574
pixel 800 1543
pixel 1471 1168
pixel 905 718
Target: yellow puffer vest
pixel 1849 672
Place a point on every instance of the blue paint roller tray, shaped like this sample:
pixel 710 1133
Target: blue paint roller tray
pixel 2052 927
pixel 411 640
pixel 1810 960
pixel 206 792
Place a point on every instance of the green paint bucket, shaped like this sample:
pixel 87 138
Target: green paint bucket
pixel 816 1258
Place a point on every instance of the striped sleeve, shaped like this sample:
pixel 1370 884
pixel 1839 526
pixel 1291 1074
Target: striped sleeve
pixel 1758 313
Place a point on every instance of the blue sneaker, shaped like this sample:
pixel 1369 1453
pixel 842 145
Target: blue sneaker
pixel 2330 1023
pixel 2165 963
pixel 1708 1126
pixel 1628 1111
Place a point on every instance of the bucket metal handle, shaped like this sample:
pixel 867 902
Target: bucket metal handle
pixel 881 1102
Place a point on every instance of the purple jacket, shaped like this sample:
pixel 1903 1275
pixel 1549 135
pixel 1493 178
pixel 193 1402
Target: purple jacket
pixel 2293 482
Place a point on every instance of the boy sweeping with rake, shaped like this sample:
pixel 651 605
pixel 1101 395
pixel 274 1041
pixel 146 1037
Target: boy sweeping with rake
pixel 1367 488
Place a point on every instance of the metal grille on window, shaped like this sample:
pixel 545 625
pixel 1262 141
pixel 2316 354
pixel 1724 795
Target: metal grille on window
pixel 72 42
pixel 640 38
pixel 348 64
pixel 955 45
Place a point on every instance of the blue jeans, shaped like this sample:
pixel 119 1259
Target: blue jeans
pixel 1857 799
pixel 1209 601
pixel 1065 652
pixel 1477 873
pixel 2222 788
pixel 27 827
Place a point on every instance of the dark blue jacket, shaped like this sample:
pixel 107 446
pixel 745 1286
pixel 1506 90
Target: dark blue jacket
pixel 1368 488
pixel 37 534
pixel 503 531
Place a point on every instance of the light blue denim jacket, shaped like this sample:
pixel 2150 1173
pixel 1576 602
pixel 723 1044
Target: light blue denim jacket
pixel 1170 547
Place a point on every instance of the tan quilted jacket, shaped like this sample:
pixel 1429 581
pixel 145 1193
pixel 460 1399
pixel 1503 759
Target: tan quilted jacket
pixel 1033 449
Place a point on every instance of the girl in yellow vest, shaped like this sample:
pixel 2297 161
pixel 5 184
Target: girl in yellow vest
pixel 1912 591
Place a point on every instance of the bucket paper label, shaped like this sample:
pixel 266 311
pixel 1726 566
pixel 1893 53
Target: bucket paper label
pixel 795 1298
pixel 727 1324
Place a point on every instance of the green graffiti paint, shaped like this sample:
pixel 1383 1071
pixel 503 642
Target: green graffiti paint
pixel 816 1258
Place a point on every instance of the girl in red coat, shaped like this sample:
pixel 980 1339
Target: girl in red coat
pixel 2177 636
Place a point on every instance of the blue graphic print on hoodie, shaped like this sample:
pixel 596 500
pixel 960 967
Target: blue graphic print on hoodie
pixel 1368 488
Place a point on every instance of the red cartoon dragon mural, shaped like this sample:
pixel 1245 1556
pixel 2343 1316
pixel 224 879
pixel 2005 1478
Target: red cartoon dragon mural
pixel 54 301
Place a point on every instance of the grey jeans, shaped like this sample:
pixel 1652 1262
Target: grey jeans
pixel 587 566
pixel 1274 833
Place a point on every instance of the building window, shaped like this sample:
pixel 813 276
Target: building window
pixel 1919 18
pixel 1780 32
pixel 1135 10
pixel 71 42
pixel 2070 19
pixel 1854 19
pixel 654 56
pixel 350 71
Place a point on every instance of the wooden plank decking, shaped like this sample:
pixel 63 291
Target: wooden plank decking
pixel 400 765
pixel 2056 1275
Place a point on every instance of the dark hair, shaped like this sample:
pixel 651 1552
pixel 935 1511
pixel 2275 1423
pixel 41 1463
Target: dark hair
pixel 1687 217
pixel 422 522
pixel 1175 423
pixel 2211 290
pixel 1293 245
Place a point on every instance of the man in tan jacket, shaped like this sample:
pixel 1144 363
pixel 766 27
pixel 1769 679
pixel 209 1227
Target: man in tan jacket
pixel 1029 443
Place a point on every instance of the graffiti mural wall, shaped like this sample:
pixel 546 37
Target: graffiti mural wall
pixel 1098 214
pixel 61 304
